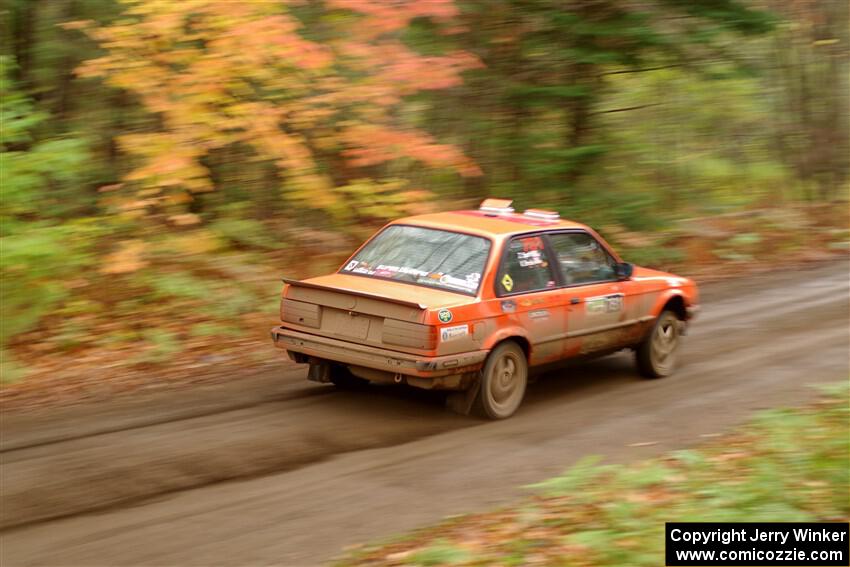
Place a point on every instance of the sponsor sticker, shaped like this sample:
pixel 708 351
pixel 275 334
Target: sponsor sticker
pixel 530 259
pixel 452 281
pixel 615 302
pixel 604 303
pixel 444 315
pixel 452 333
pixel 351 265
pixel 507 282
pixel 596 305
pixel 539 314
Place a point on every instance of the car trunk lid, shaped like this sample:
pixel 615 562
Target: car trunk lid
pixel 365 310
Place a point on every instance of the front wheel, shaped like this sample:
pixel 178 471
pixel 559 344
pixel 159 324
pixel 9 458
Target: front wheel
pixel 503 381
pixel 656 355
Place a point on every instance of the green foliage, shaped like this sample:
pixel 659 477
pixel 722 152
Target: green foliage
pixel 37 175
pixel 440 553
pixel 10 370
pixel 37 256
pixel 582 473
pixel 35 265
pixel 158 346
pixel 213 330
pixel 659 257
pixel 243 232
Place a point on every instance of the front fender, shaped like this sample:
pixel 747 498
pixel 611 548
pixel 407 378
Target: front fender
pixel 663 298
pixel 685 306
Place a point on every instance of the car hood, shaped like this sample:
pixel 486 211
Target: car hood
pixel 648 275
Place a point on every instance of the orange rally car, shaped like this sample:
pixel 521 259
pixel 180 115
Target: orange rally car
pixel 470 300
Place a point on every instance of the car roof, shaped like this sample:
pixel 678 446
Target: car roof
pixel 487 224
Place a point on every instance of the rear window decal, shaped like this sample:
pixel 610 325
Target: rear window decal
pixel 529 259
pixel 442 259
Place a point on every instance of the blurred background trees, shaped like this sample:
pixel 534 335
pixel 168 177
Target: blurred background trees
pixel 163 157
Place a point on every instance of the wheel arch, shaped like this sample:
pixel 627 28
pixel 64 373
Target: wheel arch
pixel 515 335
pixel 675 303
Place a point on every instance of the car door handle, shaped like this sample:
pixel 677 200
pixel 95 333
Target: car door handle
pixel 575 301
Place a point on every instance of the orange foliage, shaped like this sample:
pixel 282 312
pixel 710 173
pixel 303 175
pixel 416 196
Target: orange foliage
pixel 220 72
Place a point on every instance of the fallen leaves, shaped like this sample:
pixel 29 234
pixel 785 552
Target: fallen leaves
pixel 617 518
pixel 128 258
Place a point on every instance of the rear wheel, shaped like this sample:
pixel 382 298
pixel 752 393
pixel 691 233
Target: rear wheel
pixel 656 355
pixel 503 381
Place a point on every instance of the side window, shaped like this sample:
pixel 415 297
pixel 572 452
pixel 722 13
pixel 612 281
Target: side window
pixel 525 267
pixel 581 258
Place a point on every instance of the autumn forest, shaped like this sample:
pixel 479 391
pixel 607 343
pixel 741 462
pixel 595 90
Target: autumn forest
pixel 165 162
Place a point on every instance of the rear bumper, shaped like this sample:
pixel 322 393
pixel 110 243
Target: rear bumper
pixel 377 358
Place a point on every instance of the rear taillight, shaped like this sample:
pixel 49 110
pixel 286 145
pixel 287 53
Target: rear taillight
pixel 300 313
pixel 413 335
pixel 433 337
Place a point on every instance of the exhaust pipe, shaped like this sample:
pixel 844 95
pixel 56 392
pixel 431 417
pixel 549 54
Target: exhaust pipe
pixel 398 378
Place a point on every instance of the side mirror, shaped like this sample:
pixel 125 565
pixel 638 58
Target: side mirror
pixel 624 270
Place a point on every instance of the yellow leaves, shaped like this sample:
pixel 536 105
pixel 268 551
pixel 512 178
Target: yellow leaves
pixel 417 202
pixel 78 25
pixel 128 258
pixel 314 191
pixel 171 162
pixel 383 200
pixel 219 73
pixel 177 199
pixel 196 242
pixel 185 219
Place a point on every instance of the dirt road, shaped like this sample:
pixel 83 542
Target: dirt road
pixel 277 470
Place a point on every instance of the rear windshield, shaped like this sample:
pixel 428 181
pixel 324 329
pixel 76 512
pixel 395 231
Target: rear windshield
pixel 423 256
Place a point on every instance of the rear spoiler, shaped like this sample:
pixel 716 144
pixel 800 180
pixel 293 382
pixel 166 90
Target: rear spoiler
pixel 298 283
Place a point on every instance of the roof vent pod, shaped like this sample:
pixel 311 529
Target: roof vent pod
pixel 495 207
pixel 541 214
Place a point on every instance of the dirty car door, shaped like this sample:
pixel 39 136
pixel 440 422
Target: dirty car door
pixel 527 288
pixel 597 317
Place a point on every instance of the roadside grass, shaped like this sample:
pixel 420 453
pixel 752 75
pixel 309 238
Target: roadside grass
pixel 785 465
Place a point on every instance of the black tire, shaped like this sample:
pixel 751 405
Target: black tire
pixel 342 378
pixel 655 356
pixel 503 382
